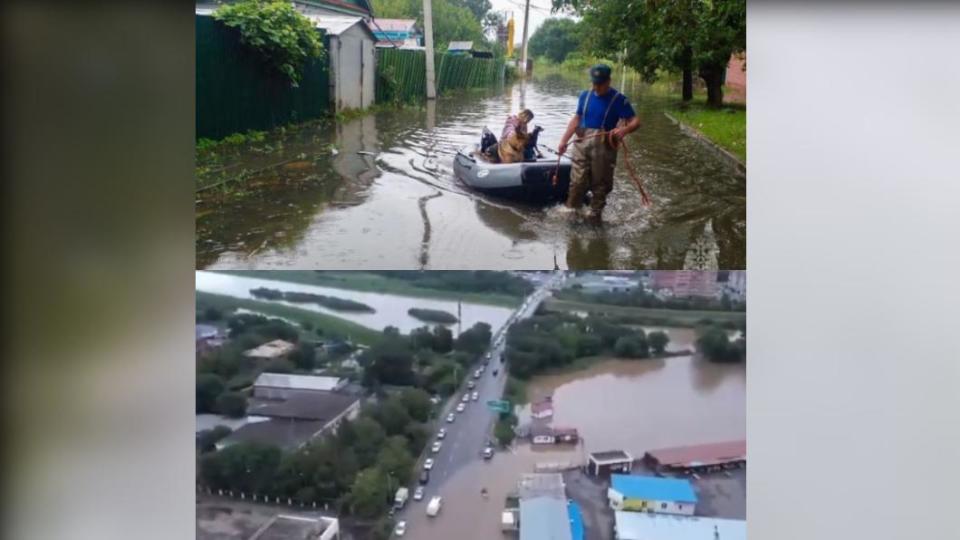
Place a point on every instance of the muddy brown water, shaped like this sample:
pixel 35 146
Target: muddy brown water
pixel 616 404
pixel 379 192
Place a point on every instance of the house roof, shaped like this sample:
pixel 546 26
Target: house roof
pixel 653 488
pixel 533 485
pixel 611 456
pixel 205 331
pixel 298 382
pixel 271 349
pixel 395 25
pixel 303 405
pixel 702 454
pixel 576 520
pixel 460 46
pixel 335 25
pixel 283 433
pixel 537 429
pixel 651 526
pixel 544 518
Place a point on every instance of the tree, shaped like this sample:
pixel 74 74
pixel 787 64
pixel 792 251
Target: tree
pixel 245 467
pixel 209 387
pixel 232 404
pixel 367 437
pixel 504 431
pixel 476 339
pixel 279 365
pixel 369 493
pixel 208 438
pixel 304 357
pixel 555 39
pixel 671 35
pixel 714 344
pixel 658 341
pixel 395 459
pixel 417 402
pixel 393 416
pixel 631 347
pixel 452 21
pixel 442 339
pixel 479 8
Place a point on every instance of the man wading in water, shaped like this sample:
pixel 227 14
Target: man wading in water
pixel 593 155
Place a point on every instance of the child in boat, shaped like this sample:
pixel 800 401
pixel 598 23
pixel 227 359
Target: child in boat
pixel 513 140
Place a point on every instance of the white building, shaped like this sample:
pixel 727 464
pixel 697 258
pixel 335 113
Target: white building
pixel 351 47
pixel 280 385
pixel 646 526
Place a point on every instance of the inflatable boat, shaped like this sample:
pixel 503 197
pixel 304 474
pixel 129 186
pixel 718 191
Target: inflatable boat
pixel 529 181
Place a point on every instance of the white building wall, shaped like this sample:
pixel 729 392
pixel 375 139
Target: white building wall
pixel 352 69
pixel 618 502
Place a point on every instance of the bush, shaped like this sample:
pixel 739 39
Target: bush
pixel 232 404
pixel 432 315
pixel 631 347
pixel 658 341
pixel 285 38
pixel 279 365
pixel 209 388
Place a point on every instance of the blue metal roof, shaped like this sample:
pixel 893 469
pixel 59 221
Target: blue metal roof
pixel 576 520
pixel 653 488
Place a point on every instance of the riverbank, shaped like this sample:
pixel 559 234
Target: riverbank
pixel 328 324
pixel 660 317
pixel 370 282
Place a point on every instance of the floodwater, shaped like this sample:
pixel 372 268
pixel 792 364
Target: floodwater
pixel 379 192
pixel 636 405
pixel 391 309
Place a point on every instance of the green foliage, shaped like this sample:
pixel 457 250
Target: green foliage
pixel 452 20
pixel 474 340
pixel 304 357
pixel 641 298
pixel 658 341
pixel 232 404
pixel 369 493
pixel 285 38
pixel 279 365
pixel 417 402
pixel 555 39
pixel 331 302
pixel 631 347
pixel 207 439
pixel 395 459
pixel 243 467
pixel 432 315
pixel 714 344
pixel 479 281
pixel 209 387
pixel 504 430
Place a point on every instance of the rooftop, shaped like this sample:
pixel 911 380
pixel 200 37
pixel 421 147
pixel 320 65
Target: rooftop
pixel 335 25
pixel 647 526
pixel 395 25
pixel 653 488
pixel 534 485
pixel 576 520
pixel 298 382
pixel 544 518
pixel 303 405
pixel 270 349
pixel 703 454
pixel 611 456
pixel 205 331
pixel 283 433
pixel 460 46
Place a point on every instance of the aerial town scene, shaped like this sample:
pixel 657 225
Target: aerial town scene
pixel 471 405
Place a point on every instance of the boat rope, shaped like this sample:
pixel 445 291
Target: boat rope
pixel 614 143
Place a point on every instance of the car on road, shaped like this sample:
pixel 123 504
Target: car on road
pixel 471 385
pixel 424 477
pixel 442 433
pixel 487 453
pixel 461 407
pixel 465 398
pixel 475 396
pixel 428 464
pixel 436 447
pixel 450 418
pixel 400 529
pixel 418 493
pixel 494 373
pixel 476 374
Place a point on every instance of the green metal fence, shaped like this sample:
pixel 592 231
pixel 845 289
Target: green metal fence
pixel 237 91
pixel 401 74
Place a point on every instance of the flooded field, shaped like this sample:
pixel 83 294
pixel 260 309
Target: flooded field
pixel 635 405
pixel 391 309
pixel 379 192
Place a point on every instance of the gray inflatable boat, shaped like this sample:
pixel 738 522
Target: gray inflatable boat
pixel 529 181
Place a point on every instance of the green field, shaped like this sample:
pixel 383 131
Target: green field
pixel 726 126
pixel 328 323
pixel 369 282
pixel 666 317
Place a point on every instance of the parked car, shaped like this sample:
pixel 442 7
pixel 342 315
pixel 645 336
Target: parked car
pixel 465 398
pixel 418 493
pixel 424 477
pixel 461 407
pixel 471 385
pixel 487 452
pixel 400 529
pixel 475 396
pixel 436 447
pixel 442 433
pixel 450 418
pixel 428 464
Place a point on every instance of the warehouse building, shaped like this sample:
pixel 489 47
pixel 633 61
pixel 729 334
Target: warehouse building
pixel 651 494
pixel 644 526
pixel 703 457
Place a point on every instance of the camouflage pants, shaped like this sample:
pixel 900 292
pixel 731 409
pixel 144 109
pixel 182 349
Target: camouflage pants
pixel 593 164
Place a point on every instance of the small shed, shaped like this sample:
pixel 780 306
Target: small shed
pixel 350 46
pixel 460 47
pixel 607 462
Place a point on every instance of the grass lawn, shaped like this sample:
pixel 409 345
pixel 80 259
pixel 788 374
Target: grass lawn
pixel 669 317
pixel 726 126
pixel 328 323
pixel 369 282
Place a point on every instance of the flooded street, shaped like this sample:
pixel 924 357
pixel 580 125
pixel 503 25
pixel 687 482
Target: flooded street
pixel 391 309
pixel 636 405
pixel 379 192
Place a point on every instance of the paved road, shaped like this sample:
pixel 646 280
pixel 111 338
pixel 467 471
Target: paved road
pixel 467 435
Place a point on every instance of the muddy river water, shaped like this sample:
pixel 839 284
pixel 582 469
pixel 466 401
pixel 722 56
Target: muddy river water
pixel 633 405
pixel 379 192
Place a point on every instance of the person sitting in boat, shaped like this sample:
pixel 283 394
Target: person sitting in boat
pixel 516 142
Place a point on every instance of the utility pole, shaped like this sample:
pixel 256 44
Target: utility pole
pixel 523 50
pixel 428 45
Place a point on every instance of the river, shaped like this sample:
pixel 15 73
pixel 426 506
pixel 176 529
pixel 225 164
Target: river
pixel 378 192
pixel 391 309
pixel 636 405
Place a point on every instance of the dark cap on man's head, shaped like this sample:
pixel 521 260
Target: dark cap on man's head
pixel 600 73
